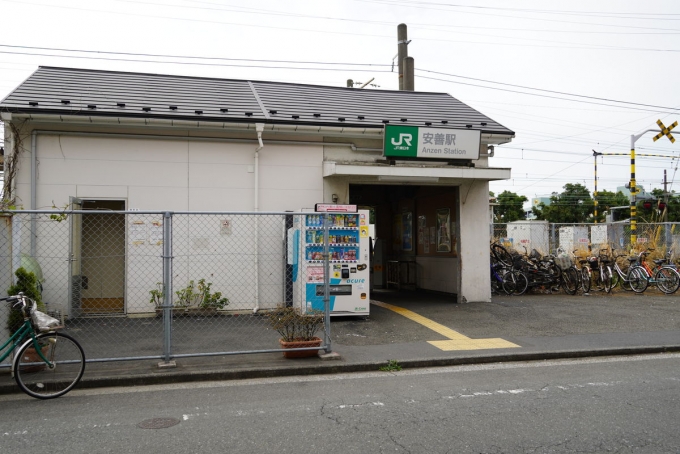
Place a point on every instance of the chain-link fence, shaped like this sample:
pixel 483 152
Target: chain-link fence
pixel 134 285
pixel 547 238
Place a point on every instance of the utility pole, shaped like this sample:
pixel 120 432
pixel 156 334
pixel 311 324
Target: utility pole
pixel 665 197
pixel 402 45
pixel 408 74
pixel 595 155
pixel 665 131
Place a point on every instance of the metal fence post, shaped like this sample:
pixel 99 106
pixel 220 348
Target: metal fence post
pixel 167 290
pixel 553 240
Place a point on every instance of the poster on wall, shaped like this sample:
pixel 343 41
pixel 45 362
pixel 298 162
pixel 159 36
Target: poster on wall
pixel 443 230
pixel 396 231
pixel 406 232
pixel 422 228
pixel 138 232
pixel 156 233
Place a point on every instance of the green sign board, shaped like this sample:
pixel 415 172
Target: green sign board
pixel 431 143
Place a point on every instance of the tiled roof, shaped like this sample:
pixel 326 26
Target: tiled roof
pixel 69 91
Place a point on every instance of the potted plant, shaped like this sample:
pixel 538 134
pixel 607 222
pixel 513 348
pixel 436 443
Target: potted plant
pixel 297 330
pixel 26 283
pixel 210 302
pixel 157 298
pixel 186 297
pixel 191 300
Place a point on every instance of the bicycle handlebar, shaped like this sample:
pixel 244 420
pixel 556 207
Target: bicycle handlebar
pixel 17 300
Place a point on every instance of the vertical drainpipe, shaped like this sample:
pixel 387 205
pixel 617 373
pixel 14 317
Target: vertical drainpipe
pixel 34 186
pixel 259 127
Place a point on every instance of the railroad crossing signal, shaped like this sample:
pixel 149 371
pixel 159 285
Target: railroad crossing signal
pixel 665 131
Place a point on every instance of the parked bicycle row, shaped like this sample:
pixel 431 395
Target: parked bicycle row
pixel 513 273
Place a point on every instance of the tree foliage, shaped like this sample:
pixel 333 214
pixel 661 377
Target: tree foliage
pixel 654 214
pixel 608 199
pixel 573 205
pixel 510 207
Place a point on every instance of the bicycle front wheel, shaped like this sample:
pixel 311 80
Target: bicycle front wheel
pixel 43 381
pixel 606 276
pixel 570 280
pixel 667 279
pixel 616 279
pixel 585 279
pixel 515 282
pixel 637 279
pixel 501 254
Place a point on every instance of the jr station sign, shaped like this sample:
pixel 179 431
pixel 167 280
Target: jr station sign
pixel 431 143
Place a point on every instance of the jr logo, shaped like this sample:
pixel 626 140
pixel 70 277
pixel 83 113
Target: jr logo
pixel 403 138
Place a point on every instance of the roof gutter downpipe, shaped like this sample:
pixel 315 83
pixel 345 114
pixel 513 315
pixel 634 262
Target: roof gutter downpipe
pixel 259 127
pixel 34 187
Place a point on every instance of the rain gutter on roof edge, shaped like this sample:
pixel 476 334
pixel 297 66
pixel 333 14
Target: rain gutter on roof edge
pixel 200 139
pixel 358 131
pixel 202 122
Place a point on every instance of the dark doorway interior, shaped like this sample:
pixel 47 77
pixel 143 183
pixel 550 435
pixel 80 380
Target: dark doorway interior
pixel 103 258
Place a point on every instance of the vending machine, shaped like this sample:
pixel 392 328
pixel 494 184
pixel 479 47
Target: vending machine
pixel 348 262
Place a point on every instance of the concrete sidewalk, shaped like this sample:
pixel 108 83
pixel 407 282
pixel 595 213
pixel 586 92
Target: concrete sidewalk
pixel 421 329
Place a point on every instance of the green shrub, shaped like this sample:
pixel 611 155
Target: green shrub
pixel 293 325
pixel 26 283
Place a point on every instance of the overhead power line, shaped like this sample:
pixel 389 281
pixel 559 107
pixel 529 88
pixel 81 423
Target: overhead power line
pixel 673 109
pixel 206 61
pixel 192 57
pixel 87 57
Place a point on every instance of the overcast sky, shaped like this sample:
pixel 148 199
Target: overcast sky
pixel 567 77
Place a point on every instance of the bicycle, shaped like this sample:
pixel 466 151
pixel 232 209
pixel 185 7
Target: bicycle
pixel 539 272
pixel 664 275
pixel 512 281
pixel 632 280
pixel 596 267
pixel 570 274
pixel 47 364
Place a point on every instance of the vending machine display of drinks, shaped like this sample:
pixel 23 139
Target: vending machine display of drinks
pixel 349 262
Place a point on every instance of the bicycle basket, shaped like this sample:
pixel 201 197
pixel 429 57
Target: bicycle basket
pixel 563 262
pixel 42 321
pixel 593 262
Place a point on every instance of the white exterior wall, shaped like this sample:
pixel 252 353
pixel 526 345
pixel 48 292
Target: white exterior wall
pixel 473 249
pixel 438 274
pixel 176 175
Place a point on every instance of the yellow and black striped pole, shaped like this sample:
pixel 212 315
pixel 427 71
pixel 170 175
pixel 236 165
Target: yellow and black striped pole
pixel 595 155
pixel 665 131
pixel 633 191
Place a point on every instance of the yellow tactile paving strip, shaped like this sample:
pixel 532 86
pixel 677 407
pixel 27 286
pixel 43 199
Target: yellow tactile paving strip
pixel 456 341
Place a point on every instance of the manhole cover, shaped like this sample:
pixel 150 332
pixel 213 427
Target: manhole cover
pixel 158 423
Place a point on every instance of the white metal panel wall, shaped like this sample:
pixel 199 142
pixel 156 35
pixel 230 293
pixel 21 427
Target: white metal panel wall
pixel 172 174
pixel 176 175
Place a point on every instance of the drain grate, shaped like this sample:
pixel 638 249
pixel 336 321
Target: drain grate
pixel 158 423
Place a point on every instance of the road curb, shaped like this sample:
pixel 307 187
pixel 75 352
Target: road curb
pixel 173 376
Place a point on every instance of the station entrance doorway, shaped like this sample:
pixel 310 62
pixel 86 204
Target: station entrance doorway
pixel 416 235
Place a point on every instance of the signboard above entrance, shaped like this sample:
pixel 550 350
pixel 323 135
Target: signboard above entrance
pixel 431 143
pixel 334 208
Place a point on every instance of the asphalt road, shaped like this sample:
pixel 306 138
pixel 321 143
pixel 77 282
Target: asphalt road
pixel 622 404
